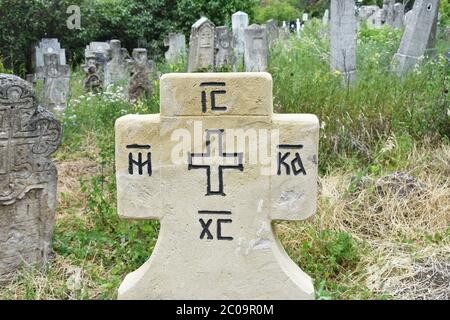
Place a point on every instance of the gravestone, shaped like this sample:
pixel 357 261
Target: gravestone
pixel 298 28
pixel 223 48
pixel 256 49
pixel 399 15
pixel 343 38
pixel 49 45
pixel 372 15
pixel 214 194
pixel 239 21
pixel 272 32
pixel 102 52
pixel 177 48
pixel 326 17
pixel 92 81
pixel 28 135
pixel 419 36
pixel 201 46
pixel 389 14
pixel 56 82
pixel 116 71
pixel 140 83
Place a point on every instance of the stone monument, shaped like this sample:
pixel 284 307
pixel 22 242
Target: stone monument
pixel 239 21
pixel 256 49
pixel 56 82
pixel 419 36
pixel 177 48
pixel 92 81
pixel 116 71
pixel 28 135
pixel 214 194
pixel 223 48
pixel 140 83
pixel 201 46
pixel 49 45
pixel 343 38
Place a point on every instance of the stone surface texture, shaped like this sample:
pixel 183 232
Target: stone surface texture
pixel 201 46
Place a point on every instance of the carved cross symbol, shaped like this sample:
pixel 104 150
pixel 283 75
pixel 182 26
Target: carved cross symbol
pixel 215 163
pixel 219 244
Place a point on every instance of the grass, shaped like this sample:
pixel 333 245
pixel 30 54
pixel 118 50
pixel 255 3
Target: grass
pixel 362 244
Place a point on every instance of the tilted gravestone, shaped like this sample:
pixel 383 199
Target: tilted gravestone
pixel 92 81
pixel 216 167
pixel 140 83
pixel 419 36
pixel 343 38
pixel 201 46
pixel 256 49
pixel 49 45
pixel 239 21
pixel 116 71
pixel 177 48
pixel 56 83
pixel 223 48
pixel 28 135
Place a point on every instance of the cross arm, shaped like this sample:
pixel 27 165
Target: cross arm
pixel 137 166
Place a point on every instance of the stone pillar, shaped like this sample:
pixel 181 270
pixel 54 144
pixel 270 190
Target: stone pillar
pixel 239 21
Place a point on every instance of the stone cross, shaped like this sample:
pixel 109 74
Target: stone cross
pixel 201 46
pixel 49 46
pixel 419 36
pixel 177 48
pixel 28 135
pixel 102 53
pixel 256 49
pixel 216 167
pixel 140 83
pixel 116 71
pixel 223 49
pixel 343 38
pixel 239 21
pixel 92 81
pixel 56 82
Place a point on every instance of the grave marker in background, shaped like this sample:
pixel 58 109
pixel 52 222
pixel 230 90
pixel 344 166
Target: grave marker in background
pixel 201 45
pixel 141 69
pixel 215 197
pixel 256 49
pixel 239 21
pixel 223 48
pixel 177 47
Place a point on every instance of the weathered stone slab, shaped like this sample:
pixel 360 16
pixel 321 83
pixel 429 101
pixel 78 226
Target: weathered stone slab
pixel 92 81
pixel 223 49
pixel 273 32
pixel 56 83
pixel 343 38
pixel 102 53
pixel 28 135
pixel 239 21
pixel 419 37
pixel 214 194
pixel 201 46
pixel 140 83
pixel 399 15
pixel 49 45
pixel 116 71
pixel 256 49
pixel 177 48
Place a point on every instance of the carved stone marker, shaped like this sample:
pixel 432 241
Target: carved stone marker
pixel 256 49
pixel 272 31
pixel 343 38
pixel 51 45
pixel 116 69
pixel 201 46
pixel 56 83
pixel 140 84
pixel 216 195
pixel 177 48
pixel 399 15
pixel 28 135
pixel 239 21
pixel 223 48
pixel 92 81
pixel 419 35
pixel 102 53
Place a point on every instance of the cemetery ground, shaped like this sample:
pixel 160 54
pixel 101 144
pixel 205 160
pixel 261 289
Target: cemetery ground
pixel 382 224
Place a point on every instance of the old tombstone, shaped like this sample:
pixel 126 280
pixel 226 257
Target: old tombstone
pixel 343 38
pixel 102 52
pixel 399 15
pixel 418 38
pixel 298 28
pixel 176 42
pixel 389 14
pixel 239 21
pixel 372 15
pixel 256 49
pixel 326 17
pixel 201 46
pixel 92 81
pixel 272 32
pixel 56 79
pixel 216 195
pixel 49 45
pixel 116 71
pixel 28 135
pixel 223 49
pixel 140 83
